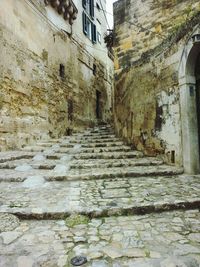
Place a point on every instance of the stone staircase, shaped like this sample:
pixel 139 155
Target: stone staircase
pixel 92 174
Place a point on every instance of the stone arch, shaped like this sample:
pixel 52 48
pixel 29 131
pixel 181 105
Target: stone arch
pixel 190 114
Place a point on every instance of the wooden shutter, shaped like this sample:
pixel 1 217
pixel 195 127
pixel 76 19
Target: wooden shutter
pixel 92 8
pixel 84 18
pixel 84 4
pixel 94 33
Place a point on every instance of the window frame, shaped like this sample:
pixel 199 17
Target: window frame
pixel 88 6
pixel 89 28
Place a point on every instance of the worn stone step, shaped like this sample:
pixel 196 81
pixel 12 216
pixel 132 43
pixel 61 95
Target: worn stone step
pixel 99 136
pixel 13 155
pixel 100 181
pixel 93 149
pixel 95 140
pixel 104 149
pixel 117 172
pixel 69 149
pixel 111 163
pixel 109 155
pixel 100 198
pixel 101 129
pixel 12 175
pixel 102 144
pixel 36 148
pixel 48 164
pixel 62 173
pixel 102 132
pixel 37 213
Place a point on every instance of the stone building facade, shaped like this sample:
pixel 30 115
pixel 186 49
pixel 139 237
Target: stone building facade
pixel 157 71
pixel 55 73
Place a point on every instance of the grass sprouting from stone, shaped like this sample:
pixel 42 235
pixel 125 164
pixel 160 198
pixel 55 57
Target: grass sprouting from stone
pixel 76 219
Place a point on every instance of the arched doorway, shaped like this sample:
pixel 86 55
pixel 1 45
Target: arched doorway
pixel 189 81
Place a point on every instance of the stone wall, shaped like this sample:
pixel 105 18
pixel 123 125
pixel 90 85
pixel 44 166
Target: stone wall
pixel 149 42
pixel 35 101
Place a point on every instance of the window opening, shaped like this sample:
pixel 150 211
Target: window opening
pixel 62 71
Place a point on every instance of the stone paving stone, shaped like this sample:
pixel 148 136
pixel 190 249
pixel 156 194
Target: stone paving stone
pixel 109 155
pixel 11 175
pixel 12 155
pixel 100 196
pixel 93 173
pixel 130 171
pixel 96 140
pixel 109 163
pixel 149 240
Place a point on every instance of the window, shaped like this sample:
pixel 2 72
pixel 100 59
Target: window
pixel 70 109
pixel 98 7
pixel 99 37
pixel 94 33
pixel 62 71
pixel 89 28
pixel 88 5
pixel 94 69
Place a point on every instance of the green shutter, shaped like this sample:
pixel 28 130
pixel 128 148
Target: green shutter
pixel 84 23
pixel 84 4
pixel 92 8
pixel 94 33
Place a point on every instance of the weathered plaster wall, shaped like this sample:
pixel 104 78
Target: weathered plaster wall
pixel 34 99
pixel 150 37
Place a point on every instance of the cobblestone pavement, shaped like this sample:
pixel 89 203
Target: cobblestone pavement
pixel 165 239
pixel 137 210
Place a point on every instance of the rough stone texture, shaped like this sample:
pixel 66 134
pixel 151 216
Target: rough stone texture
pixel 150 39
pixel 35 102
pixel 158 240
pixel 8 222
pixel 147 219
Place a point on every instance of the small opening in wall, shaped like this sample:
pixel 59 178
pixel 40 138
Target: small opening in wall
pixel 94 69
pixel 98 7
pixel 70 109
pixel 172 156
pixel 68 132
pixel 62 71
pixel 191 91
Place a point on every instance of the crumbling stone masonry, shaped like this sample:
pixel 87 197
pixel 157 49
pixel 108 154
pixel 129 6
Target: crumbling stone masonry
pixel 47 80
pixel 157 52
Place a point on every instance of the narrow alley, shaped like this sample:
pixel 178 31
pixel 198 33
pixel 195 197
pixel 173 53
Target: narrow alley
pixel 91 195
pixel 99 133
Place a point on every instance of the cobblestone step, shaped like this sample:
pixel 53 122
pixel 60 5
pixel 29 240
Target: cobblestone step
pixel 69 149
pixel 37 213
pixel 12 175
pixel 48 164
pixel 102 132
pixel 98 198
pixel 98 136
pixel 84 143
pixel 109 155
pixel 139 211
pixel 14 155
pixel 135 171
pixel 95 140
pixel 105 149
pixel 110 163
pixel 104 144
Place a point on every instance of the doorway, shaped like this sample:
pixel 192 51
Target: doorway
pixel 70 110
pixel 197 76
pixel 98 105
pixel 189 82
